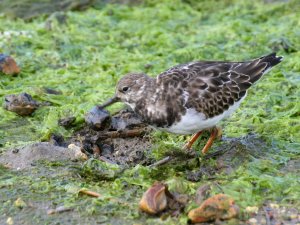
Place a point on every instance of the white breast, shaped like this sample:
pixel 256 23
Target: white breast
pixel 194 121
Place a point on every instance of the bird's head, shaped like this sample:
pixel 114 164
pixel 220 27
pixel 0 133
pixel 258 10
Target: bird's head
pixel 129 89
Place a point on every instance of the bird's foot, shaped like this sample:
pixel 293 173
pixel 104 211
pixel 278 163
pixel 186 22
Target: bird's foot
pixel 216 132
pixel 189 144
pixel 213 135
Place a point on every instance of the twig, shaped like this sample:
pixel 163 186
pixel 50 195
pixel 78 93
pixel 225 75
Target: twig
pixel 214 154
pixel 122 134
pixel 102 158
pixel 59 209
pixel 161 162
pixel 90 193
pixel 218 186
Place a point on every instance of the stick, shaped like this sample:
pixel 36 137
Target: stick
pixel 122 134
pixel 161 162
pixel 59 209
pixel 90 193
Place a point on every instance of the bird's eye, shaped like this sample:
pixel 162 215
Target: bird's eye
pixel 124 89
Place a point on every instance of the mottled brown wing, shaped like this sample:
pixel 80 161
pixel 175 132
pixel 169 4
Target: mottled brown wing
pixel 212 87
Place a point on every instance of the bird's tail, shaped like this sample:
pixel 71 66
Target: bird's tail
pixel 257 67
pixel 271 60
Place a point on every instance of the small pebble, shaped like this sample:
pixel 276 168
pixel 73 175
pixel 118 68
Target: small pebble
pixel 106 149
pixel 78 154
pixel 67 121
pixel 252 209
pixel 274 205
pixel 20 203
pixel 8 65
pixel 10 221
pixel 252 221
pixel 15 151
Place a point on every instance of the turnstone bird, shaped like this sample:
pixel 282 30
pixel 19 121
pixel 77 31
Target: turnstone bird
pixel 192 97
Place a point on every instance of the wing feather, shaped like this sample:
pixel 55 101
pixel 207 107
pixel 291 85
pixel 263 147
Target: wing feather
pixel 213 86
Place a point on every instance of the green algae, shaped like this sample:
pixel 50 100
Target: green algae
pixel 84 55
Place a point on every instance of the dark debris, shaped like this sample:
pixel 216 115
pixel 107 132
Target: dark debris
pixel 22 104
pixel 121 138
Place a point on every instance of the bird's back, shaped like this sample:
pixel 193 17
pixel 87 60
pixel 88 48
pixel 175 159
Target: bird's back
pixel 211 87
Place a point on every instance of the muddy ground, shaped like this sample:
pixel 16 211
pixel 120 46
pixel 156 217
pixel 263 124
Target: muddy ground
pixel 47 159
pixel 125 143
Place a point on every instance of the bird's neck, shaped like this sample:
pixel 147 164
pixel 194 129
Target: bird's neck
pixel 146 91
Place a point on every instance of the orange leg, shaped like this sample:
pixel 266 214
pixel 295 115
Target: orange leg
pixel 214 133
pixel 192 140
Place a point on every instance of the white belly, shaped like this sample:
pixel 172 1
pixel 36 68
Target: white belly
pixel 194 121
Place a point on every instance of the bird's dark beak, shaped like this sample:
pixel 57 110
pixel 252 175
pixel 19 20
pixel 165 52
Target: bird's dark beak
pixel 110 101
